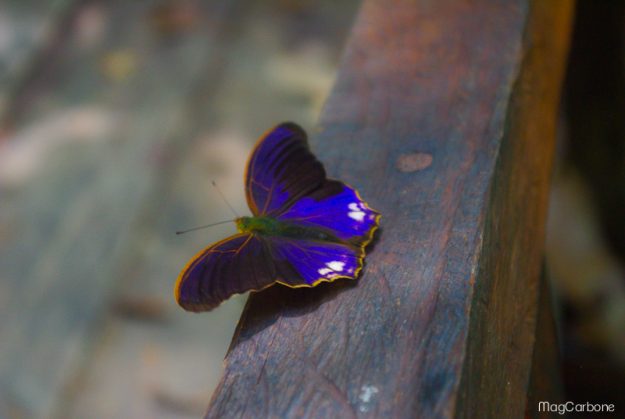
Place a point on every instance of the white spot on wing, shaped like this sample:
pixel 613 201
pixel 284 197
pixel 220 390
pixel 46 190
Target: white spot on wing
pixel 356 215
pixel 356 211
pixel 336 265
pixel 324 271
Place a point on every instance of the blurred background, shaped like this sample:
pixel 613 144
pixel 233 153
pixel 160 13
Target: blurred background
pixel 585 252
pixel 114 118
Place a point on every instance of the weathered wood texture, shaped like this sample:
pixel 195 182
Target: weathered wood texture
pixel 546 373
pixel 443 117
pixel 504 308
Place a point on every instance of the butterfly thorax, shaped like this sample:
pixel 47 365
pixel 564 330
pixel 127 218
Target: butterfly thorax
pixel 261 225
pixel 269 226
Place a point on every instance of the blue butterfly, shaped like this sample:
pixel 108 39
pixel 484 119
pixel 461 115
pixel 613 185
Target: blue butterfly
pixel 305 228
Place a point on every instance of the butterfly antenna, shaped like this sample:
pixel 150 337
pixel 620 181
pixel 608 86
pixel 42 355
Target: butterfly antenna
pixel 204 226
pixel 224 198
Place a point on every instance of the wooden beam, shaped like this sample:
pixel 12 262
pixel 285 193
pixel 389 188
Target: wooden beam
pixel 546 373
pixel 443 117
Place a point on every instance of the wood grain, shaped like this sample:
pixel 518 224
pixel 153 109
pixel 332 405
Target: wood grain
pixel 502 329
pixel 441 322
pixel 546 374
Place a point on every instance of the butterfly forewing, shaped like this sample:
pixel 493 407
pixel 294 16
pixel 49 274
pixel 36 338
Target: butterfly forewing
pixel 337 209
pixel 280 170
pixel 232 266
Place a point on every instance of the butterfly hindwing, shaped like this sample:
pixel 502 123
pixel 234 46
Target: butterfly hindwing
pixel 306 263
pixel 280 170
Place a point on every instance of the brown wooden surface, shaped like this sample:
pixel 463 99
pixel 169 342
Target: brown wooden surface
pixel 505 300
pixel 443 118
pixel 546 373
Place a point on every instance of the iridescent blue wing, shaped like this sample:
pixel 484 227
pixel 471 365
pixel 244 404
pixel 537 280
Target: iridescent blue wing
pixel 336 209
pixel 280 170
pixel 285 180
pixel 348 223
pixel 232 266
pixel 306 263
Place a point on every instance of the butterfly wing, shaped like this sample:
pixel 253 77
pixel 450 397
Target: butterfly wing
pixel 247 262
pixel 306 263
pixel 280 170
pixel 232 266
pixel 336 209
pixel 283 180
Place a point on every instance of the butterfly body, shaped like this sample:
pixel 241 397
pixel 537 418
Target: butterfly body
pixel 272 227
pixel 305 229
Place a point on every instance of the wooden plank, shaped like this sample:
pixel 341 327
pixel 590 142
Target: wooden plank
pixel 441 322
pixel 502 329
pixel 546 374
pixel 100 118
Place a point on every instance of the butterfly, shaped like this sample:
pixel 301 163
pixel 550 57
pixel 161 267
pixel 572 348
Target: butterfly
pixel 305 229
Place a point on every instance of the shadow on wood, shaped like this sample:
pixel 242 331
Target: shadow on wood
pixel 267 306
